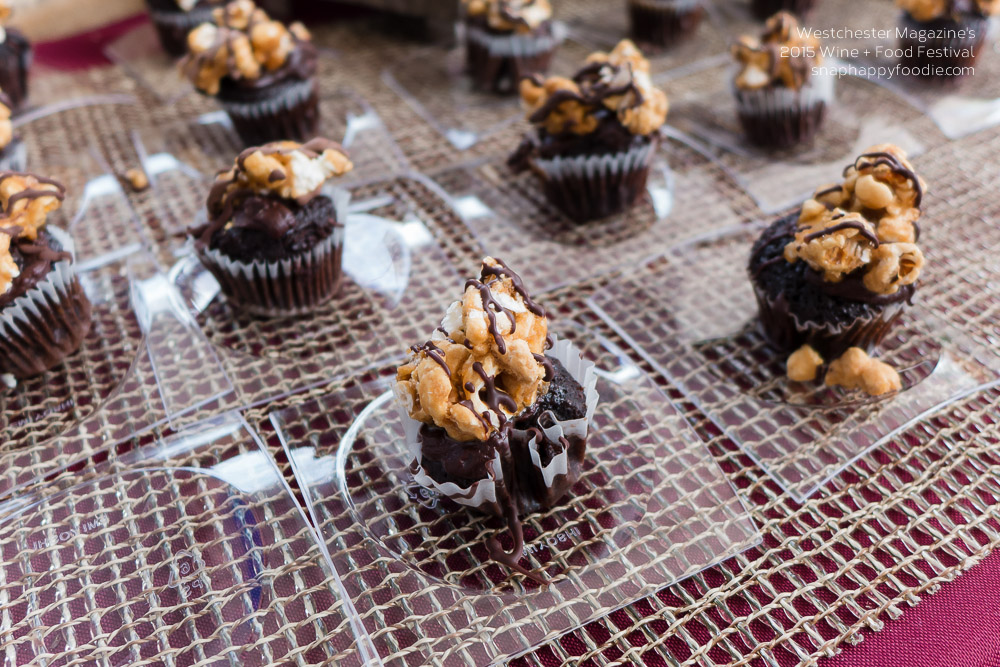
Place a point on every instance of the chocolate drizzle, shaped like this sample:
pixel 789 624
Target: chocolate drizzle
pixel 896 165
pixel 861 227
pixel 547 365
pixel 31 193
pixel 432 351
pixel 495 398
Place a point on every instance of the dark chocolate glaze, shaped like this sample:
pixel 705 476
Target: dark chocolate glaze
pixel 861 227
pixel 565 397
pixel 34 260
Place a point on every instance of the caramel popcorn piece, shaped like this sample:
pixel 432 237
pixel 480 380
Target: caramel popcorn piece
pixel 617 80
pixel 6 126
pixel 882 184
pixel 137 179
pixel 803 364
pixel 242 44
pixel 925 10
pixel 856 370
pixel 892 266
pixel 480 367
pixel 27 200
pixel 762 61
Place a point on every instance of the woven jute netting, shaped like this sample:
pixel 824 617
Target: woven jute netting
pixel 899 522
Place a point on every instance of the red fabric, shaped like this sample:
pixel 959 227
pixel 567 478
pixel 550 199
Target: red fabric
pixel 86 50
pixel 959 626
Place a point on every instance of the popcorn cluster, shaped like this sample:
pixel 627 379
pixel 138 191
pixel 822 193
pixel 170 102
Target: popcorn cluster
pixel 482 366
pixel 867 223
pixel 929 10
pixel 783 56
pixel 287 169
pixel 617 81
pixel 243 43
pixel 854 369
pixel 510 15
pixel 26 201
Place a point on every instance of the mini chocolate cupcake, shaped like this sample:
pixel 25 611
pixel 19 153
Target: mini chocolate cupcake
pixel 275 232
pixel 780 100
pixel 507 40
pixel 44 312
pixel 262 73
pixel 13 152
pixel 663 23
pixel 495 418
pixel 941 39
pixel 16 55
pixel 174 19
pixel 839 273
pixel 764 8
pixel 595 135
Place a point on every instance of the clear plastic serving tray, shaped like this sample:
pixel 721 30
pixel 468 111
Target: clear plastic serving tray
pixel 777 179
pixel 651 507
pixel 510 216
pixel 692 314
pixel 189 550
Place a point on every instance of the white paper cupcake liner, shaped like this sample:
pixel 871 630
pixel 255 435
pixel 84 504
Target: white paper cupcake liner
pixel 776 101
pixel 591 187
pixel 597 166
pixel 581 370
pixel 517 45
pixel 291 286
pixel 289 112
pixel 24 321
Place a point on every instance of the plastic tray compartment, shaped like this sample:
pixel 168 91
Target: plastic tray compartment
pixel 688 194
pixel 692 315
pixel 395 285
pixel 651 507
pixel 703 105
pixel 187 551
pixel 96 210
pixel 433 83
pixel 143 367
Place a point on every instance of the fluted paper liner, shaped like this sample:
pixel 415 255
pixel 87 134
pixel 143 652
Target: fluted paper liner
pixel 517 45
pixel 590 187
pixel 290 286
pixel 291 114
pixel 51 302
pixel 582 370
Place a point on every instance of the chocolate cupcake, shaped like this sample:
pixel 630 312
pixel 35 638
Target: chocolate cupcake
pixel 13 152
pixel 16 55
pixel 595 135
pixel 174 19
pixel 663 23
pixel 764 8
pixel 262 73
pixel 44 312
pixel 839 273
pixel 941 39
pixel 275 231
pixel 507 40
pixel 496 418
pixel 780 100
